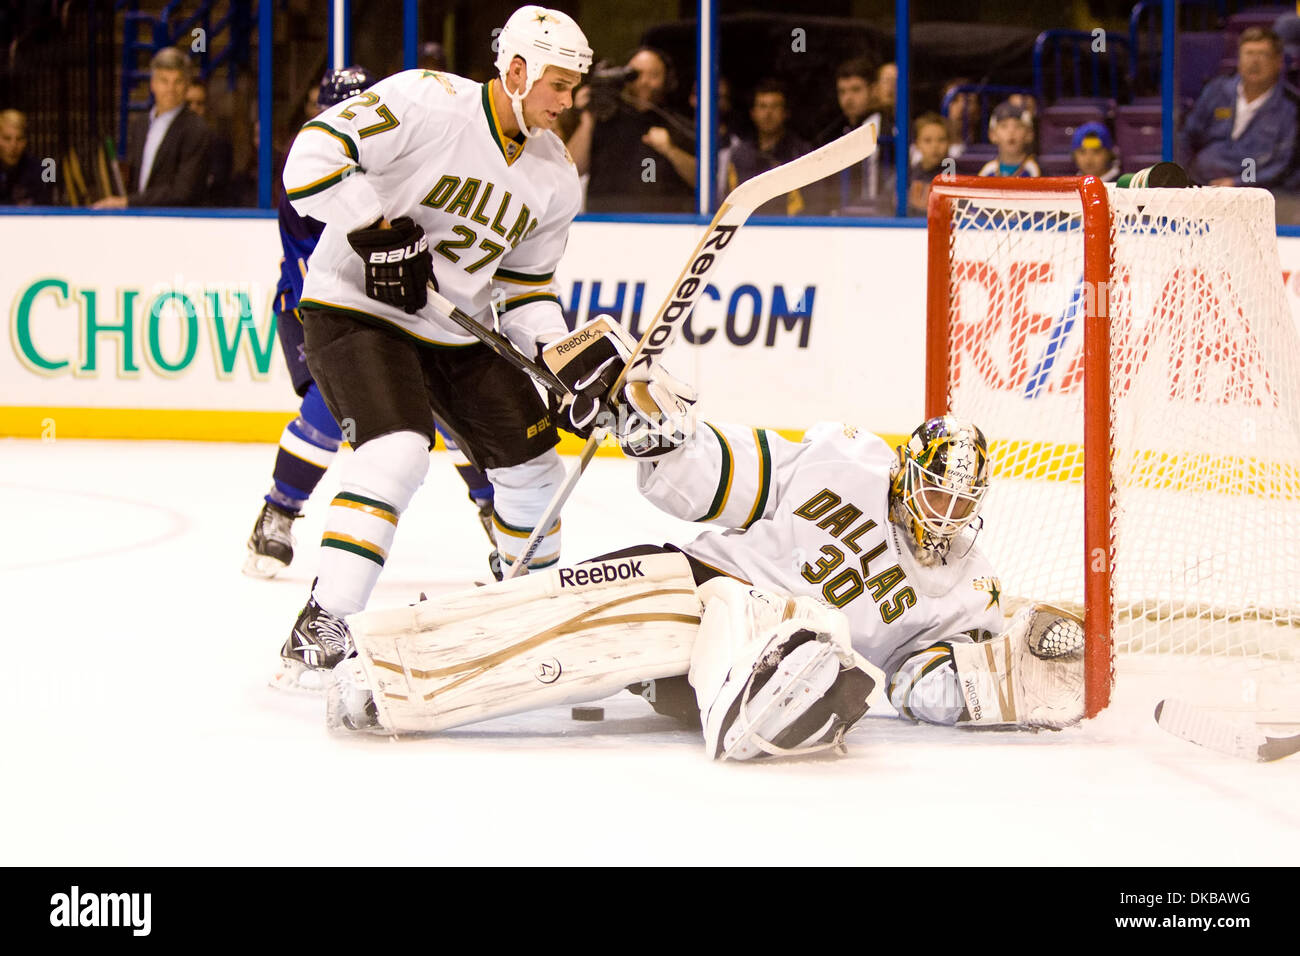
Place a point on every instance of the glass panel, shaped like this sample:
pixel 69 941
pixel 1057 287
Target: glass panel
pixel 1027 90
pixel 58 130
pixel 1237 117
pixel 797 80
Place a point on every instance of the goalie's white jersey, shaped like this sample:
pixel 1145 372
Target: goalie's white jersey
pixel 429 145
pixel 812 519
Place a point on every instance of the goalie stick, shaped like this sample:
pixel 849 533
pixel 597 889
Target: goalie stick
pixel 1203 727
pixel 735 209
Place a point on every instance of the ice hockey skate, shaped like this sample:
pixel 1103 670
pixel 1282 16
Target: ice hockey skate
pixel 485 507
pixel 319 640
pixel 350 703
pixel 270 546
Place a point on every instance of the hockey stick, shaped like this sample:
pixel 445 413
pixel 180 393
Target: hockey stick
pixel 497 343
pixel 1215 733
pixel 735 209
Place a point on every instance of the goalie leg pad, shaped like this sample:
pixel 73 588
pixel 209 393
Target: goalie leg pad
pixel 776 675
pixel 554 637
pixel 1029 676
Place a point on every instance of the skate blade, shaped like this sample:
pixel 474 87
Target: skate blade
pixel 262 566
pixel 294 677
pixel 342 721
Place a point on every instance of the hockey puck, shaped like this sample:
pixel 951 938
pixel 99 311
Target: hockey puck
pixel 588 713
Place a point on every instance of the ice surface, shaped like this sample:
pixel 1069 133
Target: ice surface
pixel 139 728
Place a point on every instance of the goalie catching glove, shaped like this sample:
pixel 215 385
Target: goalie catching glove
pixel 1031 675
pixel 397 262
pixel 652 414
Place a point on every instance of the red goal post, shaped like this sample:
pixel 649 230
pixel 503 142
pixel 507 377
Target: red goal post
pixel 1134 362
pixel 1094 209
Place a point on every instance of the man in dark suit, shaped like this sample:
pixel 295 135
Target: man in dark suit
pixel 167 151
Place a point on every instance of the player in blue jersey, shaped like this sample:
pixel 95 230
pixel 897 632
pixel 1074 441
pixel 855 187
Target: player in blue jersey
pixel 310 442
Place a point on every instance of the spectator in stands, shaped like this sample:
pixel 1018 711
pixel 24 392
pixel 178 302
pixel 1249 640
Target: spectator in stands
pixel 727 140
pixel 855 82
pixel 1011 130
pixel 221 153
pixel 167 151
pixel 196 97
pixel 1094 152
pixel 884 95
pixel 867 187
pixel 1025 102
pixel 773 144
pixel 963 116
pixel 930 133
pixel 23 180
pixel 638 154
pixel 1242 129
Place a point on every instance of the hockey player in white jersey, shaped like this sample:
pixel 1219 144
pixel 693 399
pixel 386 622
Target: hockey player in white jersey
pixel 429 178
pixel 846 581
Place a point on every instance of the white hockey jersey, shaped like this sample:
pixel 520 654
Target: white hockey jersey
pixel 812 519
pixel 496 210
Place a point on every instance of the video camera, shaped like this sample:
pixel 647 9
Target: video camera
pixel 612 75
pixel 606 84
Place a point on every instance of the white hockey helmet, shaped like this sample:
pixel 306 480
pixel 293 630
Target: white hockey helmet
pixel 939 482
pixel 542 38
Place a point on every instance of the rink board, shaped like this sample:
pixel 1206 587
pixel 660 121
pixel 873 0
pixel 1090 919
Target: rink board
pixel 163 327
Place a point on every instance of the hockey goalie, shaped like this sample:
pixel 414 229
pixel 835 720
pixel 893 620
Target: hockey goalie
pixel 844 580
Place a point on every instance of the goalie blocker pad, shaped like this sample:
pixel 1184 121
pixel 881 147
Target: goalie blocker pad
pixel 561 636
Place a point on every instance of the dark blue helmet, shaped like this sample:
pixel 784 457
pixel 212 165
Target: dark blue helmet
pixel 339 85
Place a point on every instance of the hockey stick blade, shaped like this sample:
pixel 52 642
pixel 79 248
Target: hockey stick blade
pixel 1205 729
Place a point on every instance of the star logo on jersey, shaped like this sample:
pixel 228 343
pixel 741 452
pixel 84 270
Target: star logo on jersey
pixel 994 588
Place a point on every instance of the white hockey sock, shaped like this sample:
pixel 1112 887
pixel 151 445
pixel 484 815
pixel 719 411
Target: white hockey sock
pixel 378 483
pixel 522 494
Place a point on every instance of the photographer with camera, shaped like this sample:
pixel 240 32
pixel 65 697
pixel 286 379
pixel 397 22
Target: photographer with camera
pixel 639 155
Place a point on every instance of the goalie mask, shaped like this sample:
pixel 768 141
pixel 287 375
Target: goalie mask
pixel 542 38
pixel 938 484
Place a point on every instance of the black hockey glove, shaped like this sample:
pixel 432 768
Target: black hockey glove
pixel 587 361
pixel 578 412
pixel 398 263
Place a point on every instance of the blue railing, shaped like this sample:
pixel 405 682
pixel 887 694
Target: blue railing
pixel 1092 65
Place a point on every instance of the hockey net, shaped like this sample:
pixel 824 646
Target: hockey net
pixel 1131 357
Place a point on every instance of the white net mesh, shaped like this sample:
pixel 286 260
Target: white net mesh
pixel 1205 398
